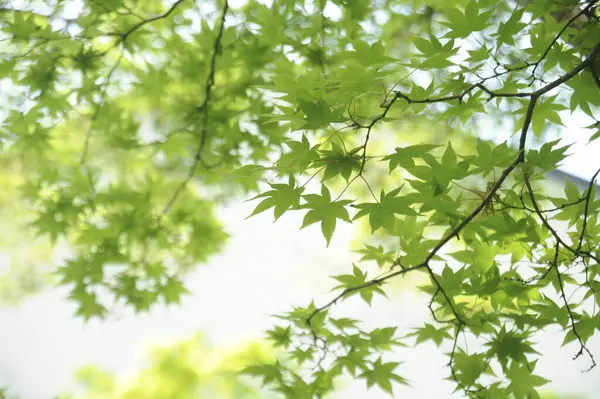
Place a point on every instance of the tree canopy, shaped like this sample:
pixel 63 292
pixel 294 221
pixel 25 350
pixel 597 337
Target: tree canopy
pixel 432 123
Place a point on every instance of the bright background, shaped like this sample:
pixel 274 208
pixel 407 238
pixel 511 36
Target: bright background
pixel 265 269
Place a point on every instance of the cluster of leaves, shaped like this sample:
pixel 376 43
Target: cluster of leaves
pixel 498 270
pixel 135 204
pixel 301 90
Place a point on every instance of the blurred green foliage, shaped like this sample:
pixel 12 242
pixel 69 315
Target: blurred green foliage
pixel 125 124
pixel 189 369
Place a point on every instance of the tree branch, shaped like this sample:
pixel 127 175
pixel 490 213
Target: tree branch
pixel 520 158
pixel 204 108
pixel 558 35
pixel 140 24
pixel 561 286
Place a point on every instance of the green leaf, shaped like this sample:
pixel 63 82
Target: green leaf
pixel 430 332
pixel 404 156
pixel 382 375
pixel 317 114
pixel 449 157
pixel 357 279
pixel 462 24
pixel 88 305
pixel 280 336
pixel 383 338
pixel 338 162
pixel 522 380
pixel 470 367
pixel 510 345
pixel 172 290
pixel 281 198
pixel 381 214
pixel 300 156
pixel 594 136
pixel 378 254
pixel 544 111
pixel 269 372
pixel 324 210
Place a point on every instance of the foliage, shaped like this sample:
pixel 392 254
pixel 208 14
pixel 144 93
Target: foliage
pixel 130 120
pixel 187 369
pixel 26 256
pixel 5 395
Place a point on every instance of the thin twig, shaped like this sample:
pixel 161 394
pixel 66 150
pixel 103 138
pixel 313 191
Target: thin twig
pixel 520 158
pixel 558 35
pixel 204 108
pixel 561 286
pixel 586 210
pixel 88 134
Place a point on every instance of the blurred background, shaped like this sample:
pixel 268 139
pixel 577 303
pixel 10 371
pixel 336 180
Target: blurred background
pixel 194 349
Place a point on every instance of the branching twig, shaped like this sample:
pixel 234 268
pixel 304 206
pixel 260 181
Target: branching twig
pixel 369 127
pixel 524 207
pixel 88 134
pixel 350 290
pixel 558 35
pixel 520 158
pixel 140 24
pixel 595 73
pixel 466 390
pixel 552 230
pixel 586 210
pixel 582 346
pixel 204 108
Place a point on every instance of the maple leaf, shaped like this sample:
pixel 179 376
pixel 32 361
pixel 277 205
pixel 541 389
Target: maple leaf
pixel 382 374
pixel 381 213
pixel 324 210
pixel 282 197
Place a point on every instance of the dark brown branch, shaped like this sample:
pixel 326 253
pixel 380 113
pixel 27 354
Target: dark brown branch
pixel 595 72
pixel 524 207
pixel 459 97
pixel 551 229
pixel 350 290
pixel 204 108
pixel 369 127
pixel 557 37
pixel 432 311
pixel 449 301
pixel 467 391
pixel 140 24
pixel 88 134
pixel 586 210
pixel 588 62
pixel 520 158
pixel 561 286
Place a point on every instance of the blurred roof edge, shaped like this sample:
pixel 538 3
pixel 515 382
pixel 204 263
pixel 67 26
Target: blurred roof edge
pixel 579 182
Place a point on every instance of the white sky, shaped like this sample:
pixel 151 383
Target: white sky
pixel 585 158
